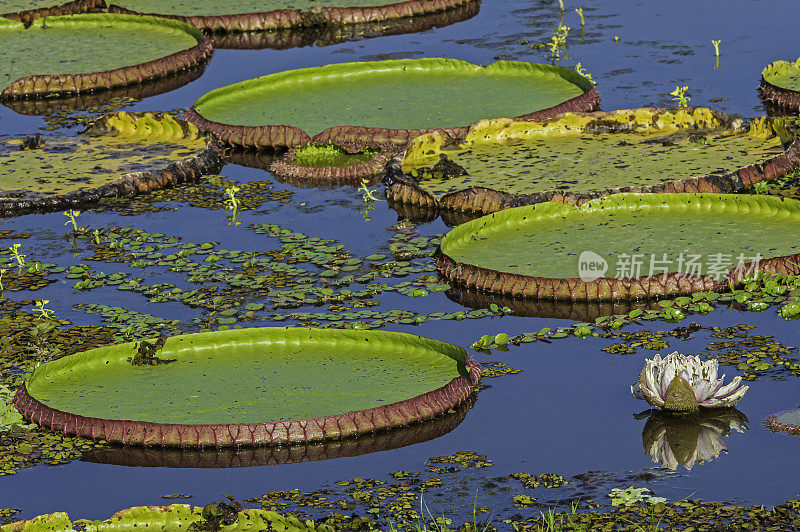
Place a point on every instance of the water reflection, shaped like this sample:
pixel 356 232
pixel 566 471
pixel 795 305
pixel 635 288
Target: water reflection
pixel 672 440
pixel 86 101
pixel 550 308
pixel 141 456
pixel 284 39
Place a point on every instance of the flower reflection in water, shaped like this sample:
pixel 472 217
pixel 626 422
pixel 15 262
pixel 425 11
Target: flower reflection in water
pixel 689 439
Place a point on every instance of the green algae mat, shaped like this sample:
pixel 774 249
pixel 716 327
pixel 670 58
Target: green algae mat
pixel 249 386
pixel 623 246
pixel 249 15
pixel 384 101
pixel 119 154
pixel 60 55
pixel 504 163
pixel 780 86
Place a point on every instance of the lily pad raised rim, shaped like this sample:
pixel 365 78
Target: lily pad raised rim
pixel 774 425
pixel 779 98
pixel 208 161
pixel 69 8
pixel 280 135
pixel 605 288
pixel 43 85
pixel 347 424
pixel 286 168
pixel 295 18
pixel 469 203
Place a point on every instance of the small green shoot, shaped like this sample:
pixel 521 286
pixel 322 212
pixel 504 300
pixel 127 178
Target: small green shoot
pixel 2 272
pixel 716 47
pixel 232 202
pixel 44 313
pixel 580 70
pixel 679 95
pixel 579 11
pixel 762 187
pixel 558 42
pixel 72 214
pixel 16 255
pixel 561 4
pixel 368 198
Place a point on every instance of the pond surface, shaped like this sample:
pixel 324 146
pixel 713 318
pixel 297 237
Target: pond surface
pixel 569 410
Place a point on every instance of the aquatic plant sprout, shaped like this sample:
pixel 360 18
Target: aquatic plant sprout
pixel 680 96
pixel 680 382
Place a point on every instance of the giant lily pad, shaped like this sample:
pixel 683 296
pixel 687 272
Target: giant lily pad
pixel 682 243
pixel 780 85
pixel 249 386
pixel 384 101
pixel 119 154
pixel 60 55
pixel 576 157
pixel 28 10
pixel 256 15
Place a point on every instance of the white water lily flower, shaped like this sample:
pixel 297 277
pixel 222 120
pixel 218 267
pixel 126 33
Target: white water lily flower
pixel 683 383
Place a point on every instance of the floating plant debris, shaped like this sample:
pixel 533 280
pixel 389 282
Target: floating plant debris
pixel 370 101
pixel 576 157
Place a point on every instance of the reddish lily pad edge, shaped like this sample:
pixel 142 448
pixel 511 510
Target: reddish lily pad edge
pixel 780 99
pixel 522 286
pixel 774 425
pixel 414 202
pixel 348 424
pixel 280 136
pixel 70 8
pixel 286 167
pixel 206 162
pixel 297 18
pixel 44 85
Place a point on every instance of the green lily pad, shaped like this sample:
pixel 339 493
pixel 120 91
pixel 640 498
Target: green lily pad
pixel 780 85
pixel 623 246
pixel 581 156
pixel 60 54
pixel 249 386
pixel 371 100
pixel 252 15
pixel 119 154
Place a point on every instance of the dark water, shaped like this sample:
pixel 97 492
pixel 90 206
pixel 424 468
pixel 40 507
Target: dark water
pixel 569 411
